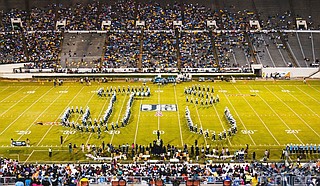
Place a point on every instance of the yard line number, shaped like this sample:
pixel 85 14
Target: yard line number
pixel 68 132
pixel 23 132
pixel 155 132
pixel 292 131
pixel 248 131
pixel 114 132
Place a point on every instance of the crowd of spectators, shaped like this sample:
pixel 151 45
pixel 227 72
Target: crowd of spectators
pixel 159 50
pixel 78 16
pixel 197 50
pixel 11 47
pixel 157 17
pixel 42 19
pixel 161 41
pixel 122 50
pixel 43 48
pixel 168 173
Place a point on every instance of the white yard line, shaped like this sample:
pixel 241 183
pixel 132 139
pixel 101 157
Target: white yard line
pixel 292 111
pixel 4 89
pixel 308 95
pixel 159 106
pixel 27 109
pixel 278 116
pixel 59 150
pixel 28 157
pixel 14 105
pixel 41 114
pixel 179 122
pixel 102 109
pixel 302 103
pixel 58 117
pixel 238 116
pixel 215 109
pixel 258 116
pixel 124 99
pixel 137 127
pixel 314 88
pixel 205 140
pixel 9 94
pixel 80 114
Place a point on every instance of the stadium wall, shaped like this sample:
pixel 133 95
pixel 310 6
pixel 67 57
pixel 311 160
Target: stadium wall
pixel 294 72
pixel 7 71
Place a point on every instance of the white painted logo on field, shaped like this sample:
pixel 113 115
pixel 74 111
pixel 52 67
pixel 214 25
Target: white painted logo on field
pixel 292 131
pixel 68 132
pixel 157 107
pixel 23 132
pixel 248 131
pixel 63 92
pixel 155 132
pixel 31 92
pixel 158 114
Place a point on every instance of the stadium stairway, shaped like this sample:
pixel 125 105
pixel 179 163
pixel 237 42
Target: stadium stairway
pixel 289 52
pixel 82 50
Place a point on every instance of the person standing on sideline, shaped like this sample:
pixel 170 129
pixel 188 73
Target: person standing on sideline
pixel 61 140
pixel 70 148
pixel 158 134
pixel 50 152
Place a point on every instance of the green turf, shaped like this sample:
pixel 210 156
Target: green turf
pixel 269 110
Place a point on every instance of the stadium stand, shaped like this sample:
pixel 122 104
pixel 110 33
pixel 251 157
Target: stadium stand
pixel 161 173
pixel 84 42
pixel 191 45
pixel 82 50
pixel 122 50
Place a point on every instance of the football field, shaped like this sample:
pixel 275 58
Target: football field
pixel 269 115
